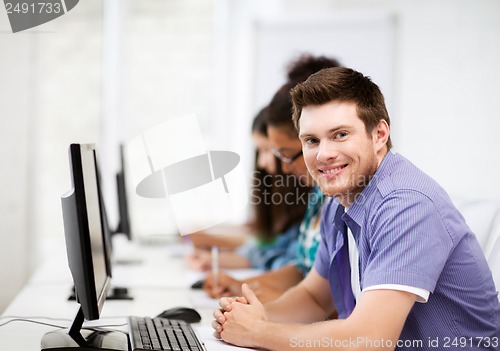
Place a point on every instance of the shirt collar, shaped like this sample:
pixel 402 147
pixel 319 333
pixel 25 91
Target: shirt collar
pixel 357 209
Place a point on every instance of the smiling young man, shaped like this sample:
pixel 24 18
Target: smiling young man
pixel 417 279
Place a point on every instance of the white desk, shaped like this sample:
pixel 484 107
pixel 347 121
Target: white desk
pixel 47 291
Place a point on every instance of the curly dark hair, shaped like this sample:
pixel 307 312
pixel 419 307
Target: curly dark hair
pixel 279 112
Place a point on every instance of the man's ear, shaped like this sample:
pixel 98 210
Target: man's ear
pixel 380 135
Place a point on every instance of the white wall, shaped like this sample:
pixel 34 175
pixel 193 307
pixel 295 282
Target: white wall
pixel 50 96
pixel 447 118
pixel 16 205
pixel 172 60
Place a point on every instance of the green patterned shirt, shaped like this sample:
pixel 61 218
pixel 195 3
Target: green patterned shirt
pixel 309 231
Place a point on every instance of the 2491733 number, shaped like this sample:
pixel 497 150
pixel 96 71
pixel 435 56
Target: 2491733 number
pixel 467 342
pixel 34 8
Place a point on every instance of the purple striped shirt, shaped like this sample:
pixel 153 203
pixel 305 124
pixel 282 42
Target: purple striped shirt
pixel 408 232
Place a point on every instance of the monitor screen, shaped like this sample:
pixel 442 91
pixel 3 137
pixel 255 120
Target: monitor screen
pixel 94 219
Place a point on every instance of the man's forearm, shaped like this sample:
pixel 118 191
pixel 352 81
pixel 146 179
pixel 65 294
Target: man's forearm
pixel 309 301
pixel 285 308
pixel 341 335
pixel 329 335
pixel 375 324
pixel 283 278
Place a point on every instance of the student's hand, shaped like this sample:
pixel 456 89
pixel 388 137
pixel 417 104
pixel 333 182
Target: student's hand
pixel 225 306
pixel 240 320
pixel 200 260
pixel 224 285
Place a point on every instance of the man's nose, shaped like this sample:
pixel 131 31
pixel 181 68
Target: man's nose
pixel 326 151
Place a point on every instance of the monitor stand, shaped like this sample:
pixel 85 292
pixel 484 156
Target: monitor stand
pixel 77 339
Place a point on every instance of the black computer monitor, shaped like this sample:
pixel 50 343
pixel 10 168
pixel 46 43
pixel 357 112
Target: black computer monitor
pixel 123 226
pixel 87 257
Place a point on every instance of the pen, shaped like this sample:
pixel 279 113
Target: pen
pixel 215 265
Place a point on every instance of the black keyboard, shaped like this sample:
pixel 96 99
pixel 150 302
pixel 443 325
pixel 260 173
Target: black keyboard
pixel 162 334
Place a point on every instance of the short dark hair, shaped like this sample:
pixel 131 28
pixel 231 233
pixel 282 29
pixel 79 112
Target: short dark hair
pixel 343 85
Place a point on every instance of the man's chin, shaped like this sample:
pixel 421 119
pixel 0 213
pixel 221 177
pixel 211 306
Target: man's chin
pixel 332 190
pixel 328 190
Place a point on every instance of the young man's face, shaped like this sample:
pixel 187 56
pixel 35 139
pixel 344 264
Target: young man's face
pixel 340 155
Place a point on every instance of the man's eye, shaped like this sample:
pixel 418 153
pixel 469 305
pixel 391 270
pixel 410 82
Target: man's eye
pixel 340 135
pixel 311 141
